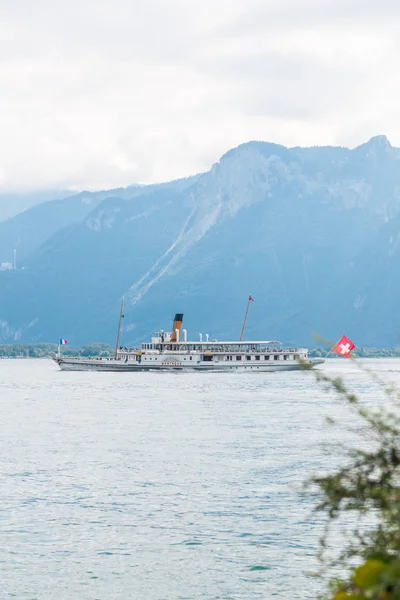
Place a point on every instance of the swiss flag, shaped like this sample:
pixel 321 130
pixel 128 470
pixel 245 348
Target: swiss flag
pixel 344 347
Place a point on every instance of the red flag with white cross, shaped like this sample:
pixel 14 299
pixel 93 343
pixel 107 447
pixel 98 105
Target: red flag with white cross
pixel 344 347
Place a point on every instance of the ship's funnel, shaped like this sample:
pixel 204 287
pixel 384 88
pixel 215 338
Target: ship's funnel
pixel 176 326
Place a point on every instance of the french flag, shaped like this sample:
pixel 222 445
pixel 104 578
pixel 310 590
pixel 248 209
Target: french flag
pixel 63 342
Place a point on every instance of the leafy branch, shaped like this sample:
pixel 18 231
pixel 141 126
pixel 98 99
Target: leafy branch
pixel 368 487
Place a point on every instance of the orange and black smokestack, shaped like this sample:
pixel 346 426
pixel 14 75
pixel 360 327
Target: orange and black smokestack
pixel 177 325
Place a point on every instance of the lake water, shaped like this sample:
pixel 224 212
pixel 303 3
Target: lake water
pixel 165 486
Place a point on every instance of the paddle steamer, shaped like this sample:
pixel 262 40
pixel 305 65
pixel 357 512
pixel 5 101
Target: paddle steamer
pixel 172 351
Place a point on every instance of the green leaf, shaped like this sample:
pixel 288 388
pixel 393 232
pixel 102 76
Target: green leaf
pixel 369 574
pixel 348 596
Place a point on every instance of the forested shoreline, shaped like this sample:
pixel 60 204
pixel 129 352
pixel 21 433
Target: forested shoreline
pixel 46 350
pixel 99 349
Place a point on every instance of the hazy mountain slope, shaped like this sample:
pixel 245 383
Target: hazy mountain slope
pixel 27 231
pixel 12 204
pixel 279 235
pixel 72 284
pixel 364 301
pixel 289 226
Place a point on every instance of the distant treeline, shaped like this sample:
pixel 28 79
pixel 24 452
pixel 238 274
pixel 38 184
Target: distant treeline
pixel 362 353
pixel 97 349
pixel 45 350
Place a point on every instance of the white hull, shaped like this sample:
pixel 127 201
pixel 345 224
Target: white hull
pixel 88 364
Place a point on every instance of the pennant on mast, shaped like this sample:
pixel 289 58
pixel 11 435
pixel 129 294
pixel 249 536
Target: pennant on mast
pixel 251 299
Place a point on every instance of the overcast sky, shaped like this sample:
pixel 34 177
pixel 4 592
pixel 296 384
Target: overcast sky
pixel 98 93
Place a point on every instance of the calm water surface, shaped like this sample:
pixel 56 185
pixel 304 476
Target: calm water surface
pixel 164 486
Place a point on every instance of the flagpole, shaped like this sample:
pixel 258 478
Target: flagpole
pixel 119 328
pixel 59 348
pixel 245 319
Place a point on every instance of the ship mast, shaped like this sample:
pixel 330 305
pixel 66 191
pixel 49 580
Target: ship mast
pixel 245 317
pixel 121 316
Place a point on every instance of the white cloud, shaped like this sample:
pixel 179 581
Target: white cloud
pixel 101 93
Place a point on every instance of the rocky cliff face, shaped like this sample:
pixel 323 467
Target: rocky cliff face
pixel 311 233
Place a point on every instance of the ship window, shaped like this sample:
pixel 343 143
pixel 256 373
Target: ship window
pixel 191 357
pixel 238 358
pixel 276 357
pixel 266 357
pixel 296 357
pixel 285 357
pixel 248 357
pixel 257 358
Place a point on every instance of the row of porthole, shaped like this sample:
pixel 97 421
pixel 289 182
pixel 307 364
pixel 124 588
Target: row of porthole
pixel 238 358
pixel 267 358
pixel 147 358
pixel 245 367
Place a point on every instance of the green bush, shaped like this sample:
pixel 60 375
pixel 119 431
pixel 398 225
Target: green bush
pixel 368 486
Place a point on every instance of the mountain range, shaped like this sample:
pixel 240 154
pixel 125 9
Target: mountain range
pixel 312 233
pixel 12 204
